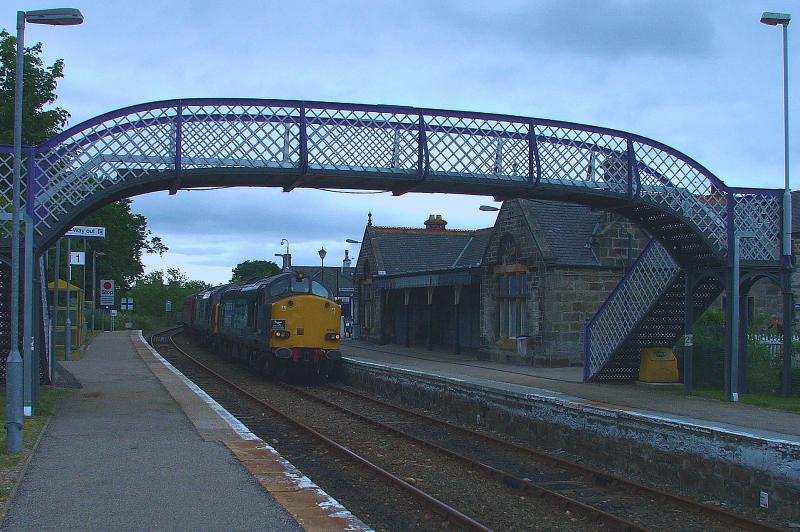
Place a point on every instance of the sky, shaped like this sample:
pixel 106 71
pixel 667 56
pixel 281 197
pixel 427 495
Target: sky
pixel 702 77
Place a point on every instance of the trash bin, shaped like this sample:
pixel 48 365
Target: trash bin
pixel 522 345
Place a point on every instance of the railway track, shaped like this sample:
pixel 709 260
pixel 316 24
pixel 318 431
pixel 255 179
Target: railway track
pixel 459 520
pixel 517 475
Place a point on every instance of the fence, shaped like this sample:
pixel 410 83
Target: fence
pixel 774 344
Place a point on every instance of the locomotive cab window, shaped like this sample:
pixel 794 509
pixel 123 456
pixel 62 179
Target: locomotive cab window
pixel 319 290
pixel 279 287
pixel 300 286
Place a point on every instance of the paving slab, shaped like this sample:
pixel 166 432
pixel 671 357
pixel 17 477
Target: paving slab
pixel 121 454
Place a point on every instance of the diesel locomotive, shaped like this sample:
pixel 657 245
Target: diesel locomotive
pixel 284 325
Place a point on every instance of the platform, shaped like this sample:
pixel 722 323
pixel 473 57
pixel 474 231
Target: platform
pixel 566 384
pixel 139 447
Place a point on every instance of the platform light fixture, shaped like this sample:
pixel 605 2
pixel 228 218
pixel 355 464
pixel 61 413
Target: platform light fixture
pixel 351 241
pixel 782 19
pixel 14 365
pixel 488 208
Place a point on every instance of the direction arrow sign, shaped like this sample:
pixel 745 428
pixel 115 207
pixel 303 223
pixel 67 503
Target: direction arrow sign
pixel 84 231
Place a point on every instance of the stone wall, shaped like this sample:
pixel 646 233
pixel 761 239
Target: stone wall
pixel 573 297
pixel 698 461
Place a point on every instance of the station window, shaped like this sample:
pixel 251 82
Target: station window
pixel 513 304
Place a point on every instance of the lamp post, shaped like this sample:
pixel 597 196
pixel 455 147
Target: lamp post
pixel 322 254
pixel 14 377
pixel 782 19
pixel 95 254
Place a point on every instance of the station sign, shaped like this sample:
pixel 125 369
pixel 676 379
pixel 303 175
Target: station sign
pixel 77 258
pixel 85 231
pixel 107 292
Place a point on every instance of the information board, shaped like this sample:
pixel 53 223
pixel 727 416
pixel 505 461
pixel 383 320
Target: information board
pixel 107 292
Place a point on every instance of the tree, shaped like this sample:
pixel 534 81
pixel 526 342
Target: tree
pixel 127 237
pixel 151 292
pixel 39 90
pixel 254 268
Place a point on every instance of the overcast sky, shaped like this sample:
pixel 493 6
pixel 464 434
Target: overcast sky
pixel 703 77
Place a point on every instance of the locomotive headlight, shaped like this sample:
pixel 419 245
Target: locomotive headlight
pixel 332 336
pixel 282 334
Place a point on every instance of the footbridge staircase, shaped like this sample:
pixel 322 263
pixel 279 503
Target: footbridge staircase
pixel 181 144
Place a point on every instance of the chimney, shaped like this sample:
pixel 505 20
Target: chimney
pixel 346 262
pixel 435 223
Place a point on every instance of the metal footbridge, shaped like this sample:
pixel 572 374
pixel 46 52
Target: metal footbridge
pixel 188 143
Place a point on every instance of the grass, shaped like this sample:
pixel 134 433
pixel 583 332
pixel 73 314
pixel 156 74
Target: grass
pixel 11 464
pixel 786 404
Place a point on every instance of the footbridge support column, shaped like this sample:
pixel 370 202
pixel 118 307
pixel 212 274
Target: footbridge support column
pixel 786 370
pixel 688 339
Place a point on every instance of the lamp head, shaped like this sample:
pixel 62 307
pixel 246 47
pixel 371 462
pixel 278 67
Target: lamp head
pixel 773 19
pixel 488 208
pixel 322 253
pixel 351 241
pixel 64 16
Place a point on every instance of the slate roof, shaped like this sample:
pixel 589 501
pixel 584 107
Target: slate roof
pixel 314 273
pixel 567 227
pixel 400 250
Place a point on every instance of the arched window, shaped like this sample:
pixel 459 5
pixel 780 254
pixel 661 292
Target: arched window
pixel 512 290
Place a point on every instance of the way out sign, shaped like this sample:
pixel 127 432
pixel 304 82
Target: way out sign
pixel 107 292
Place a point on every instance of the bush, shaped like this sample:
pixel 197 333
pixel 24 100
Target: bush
pixel 709 349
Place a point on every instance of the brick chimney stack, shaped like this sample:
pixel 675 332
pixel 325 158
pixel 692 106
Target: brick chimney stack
pixel 435 223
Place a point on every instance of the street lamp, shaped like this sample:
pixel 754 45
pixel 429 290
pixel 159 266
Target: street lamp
pixel 351 241
pixel 287 258
pixel 95 254
pixel 488 208
pixel 782 19
pixel 14 367
pixel 774 19
pixel 322 254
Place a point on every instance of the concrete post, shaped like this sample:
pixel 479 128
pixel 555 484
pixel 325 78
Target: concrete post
pixel 744 320
pixel 14 414
pixel 27 322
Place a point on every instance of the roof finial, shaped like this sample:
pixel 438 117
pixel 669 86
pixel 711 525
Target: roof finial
pixel 369 219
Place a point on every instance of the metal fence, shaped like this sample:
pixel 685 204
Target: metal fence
pixel 774 343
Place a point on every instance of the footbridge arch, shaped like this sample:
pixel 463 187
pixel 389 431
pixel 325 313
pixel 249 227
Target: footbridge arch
pixel 187 143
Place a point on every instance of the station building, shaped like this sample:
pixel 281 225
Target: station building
pixel 547 268
pixel 420 286
pixel 539 273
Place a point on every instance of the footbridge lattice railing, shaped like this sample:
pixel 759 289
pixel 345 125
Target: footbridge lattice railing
pixel 382 146
pixel 648 278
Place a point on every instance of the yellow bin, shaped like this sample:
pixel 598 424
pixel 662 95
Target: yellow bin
pixel 658 364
